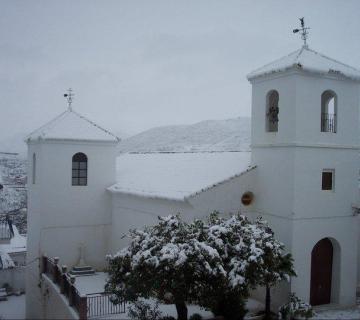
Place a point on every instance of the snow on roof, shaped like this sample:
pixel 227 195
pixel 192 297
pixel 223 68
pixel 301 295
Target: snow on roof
pixel 17 243
pixel 176 176
pixel 71 125
pixel 308 60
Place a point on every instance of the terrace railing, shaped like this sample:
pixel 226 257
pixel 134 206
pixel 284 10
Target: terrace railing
pixel 99 304
pixel 87 306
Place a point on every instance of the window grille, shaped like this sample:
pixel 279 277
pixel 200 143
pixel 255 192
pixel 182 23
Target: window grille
pixel 79 169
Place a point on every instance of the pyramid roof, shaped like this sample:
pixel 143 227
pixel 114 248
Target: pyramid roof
pixel 71 125
pixel 308 60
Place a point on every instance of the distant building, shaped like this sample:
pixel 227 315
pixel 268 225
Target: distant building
pixel 301 176
pixel 12 258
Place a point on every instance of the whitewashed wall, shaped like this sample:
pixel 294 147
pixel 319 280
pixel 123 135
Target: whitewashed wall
pixel 131 211
pixel 290 164
pixel 60 216
pixel 55 305
pixel 300 109
pixel 340 231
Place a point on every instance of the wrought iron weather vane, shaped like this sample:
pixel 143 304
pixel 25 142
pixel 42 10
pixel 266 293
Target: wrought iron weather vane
pixel 69 97
pixel 303 31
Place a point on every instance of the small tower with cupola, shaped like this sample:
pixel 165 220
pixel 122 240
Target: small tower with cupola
pixel 305 144
pixel 71 162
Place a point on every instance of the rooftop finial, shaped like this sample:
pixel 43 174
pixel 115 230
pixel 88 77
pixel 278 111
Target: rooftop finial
pixel 69 97
pixel 303 30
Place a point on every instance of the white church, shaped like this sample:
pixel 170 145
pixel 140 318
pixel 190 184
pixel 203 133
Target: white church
pixel 301 176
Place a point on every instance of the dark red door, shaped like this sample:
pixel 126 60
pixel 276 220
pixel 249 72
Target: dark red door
pixel 321 272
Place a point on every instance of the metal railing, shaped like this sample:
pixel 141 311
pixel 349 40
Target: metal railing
pixel 87 306
pixel 328 122
pixel 99 304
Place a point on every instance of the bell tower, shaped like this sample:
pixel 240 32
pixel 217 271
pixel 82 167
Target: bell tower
pixel 71 162
pixel 305 144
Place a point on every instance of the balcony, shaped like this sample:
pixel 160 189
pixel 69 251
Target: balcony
pixel 76 290
pixel 328 122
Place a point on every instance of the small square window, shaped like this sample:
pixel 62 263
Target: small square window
pixel 328 180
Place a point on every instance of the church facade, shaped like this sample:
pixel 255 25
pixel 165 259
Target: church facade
pixel 301 176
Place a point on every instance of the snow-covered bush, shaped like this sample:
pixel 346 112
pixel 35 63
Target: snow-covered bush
pixel 295 308
pixel 238 242
pixel 212 263
pixel 169 259
pixel 140 310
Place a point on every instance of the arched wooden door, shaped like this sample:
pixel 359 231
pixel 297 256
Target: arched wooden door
pixel 321 272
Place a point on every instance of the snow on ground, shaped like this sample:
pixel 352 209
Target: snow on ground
pixel 170 310
pixel 176 175
pixel 91 284
pixel 17 243
pixel 13 308
pixel 343 314
pixel 5 261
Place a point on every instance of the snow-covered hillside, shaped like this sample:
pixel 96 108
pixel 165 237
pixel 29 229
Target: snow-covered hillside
pixel 13 191
pixel 205 136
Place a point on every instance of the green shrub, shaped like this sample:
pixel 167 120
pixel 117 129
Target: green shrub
pixel 231 307
pixel 196 316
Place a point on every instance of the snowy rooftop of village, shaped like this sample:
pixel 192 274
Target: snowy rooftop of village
pixel 71 125
pixel 308 60
pixel 176 175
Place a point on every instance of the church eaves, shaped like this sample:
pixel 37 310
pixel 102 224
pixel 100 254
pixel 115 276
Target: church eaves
pixel 308 60
pixel 71 125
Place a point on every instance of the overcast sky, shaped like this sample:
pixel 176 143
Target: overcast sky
pixel 138 64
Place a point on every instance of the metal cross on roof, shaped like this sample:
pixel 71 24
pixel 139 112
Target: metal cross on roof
pixel 69 97
pixel 303 30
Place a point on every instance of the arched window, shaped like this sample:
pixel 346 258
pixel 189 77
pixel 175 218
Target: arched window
pixel 272 111
pixel 34 168
pixel 79 169
pixel 328 111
